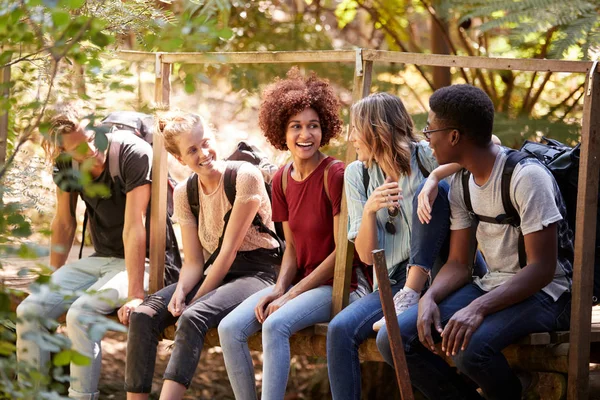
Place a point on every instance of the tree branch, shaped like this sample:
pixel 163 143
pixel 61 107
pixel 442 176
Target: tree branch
pixel 478 73
pixel 562 103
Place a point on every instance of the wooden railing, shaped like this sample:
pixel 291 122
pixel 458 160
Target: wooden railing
pixel 363 59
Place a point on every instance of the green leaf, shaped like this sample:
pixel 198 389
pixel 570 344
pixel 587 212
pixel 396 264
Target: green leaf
pixel 5 57
pixel 7 348
pixel 72 4
pixel 63 358
pixel 60 18
pixel 100 140
pixel 79 359
pixel 101 40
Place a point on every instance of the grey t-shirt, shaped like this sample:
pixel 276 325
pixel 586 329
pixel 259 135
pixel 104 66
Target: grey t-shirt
pixel 536 198
pixel 107 214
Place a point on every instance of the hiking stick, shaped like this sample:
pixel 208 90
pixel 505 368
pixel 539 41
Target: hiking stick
pixel 391 322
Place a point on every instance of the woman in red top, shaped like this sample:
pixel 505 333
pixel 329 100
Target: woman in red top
pixel 301 115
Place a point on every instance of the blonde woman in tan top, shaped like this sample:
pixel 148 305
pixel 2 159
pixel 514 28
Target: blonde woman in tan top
pixel 204 294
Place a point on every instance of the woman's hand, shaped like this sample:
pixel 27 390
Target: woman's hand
pixel 386 195
pixel 260 311
pixel 277 304
pixel 426 198
pixel 177 304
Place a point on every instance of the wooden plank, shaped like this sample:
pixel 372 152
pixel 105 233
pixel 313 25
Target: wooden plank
pixel 166 84
pixel 391 323
pixel 344 248
pixel 261 57
pixel 439 60
pixel 158 211
pixel 585 238
pixel 135 56
pixel 4 93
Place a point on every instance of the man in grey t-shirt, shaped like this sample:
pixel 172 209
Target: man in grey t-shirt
pixel 476 319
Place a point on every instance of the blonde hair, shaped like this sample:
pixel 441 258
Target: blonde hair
pixel 64 118
pixel 387 129
pixel 171 124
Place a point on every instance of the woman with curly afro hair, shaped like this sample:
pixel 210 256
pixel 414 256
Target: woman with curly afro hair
pixel 300 114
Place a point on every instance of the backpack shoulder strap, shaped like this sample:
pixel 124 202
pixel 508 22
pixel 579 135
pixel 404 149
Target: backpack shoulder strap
pixel 326 177
pixel 284 177
pixel 366 179
pixel 513 158
pixel 465 176
pixel 193 195
pixel 230 179
pixel 114 150
pixel 420 164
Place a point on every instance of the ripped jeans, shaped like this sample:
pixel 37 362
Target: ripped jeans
pixel 247 276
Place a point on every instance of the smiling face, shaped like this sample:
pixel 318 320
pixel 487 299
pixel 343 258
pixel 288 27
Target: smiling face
pixel 363 151
pixel 78 144
pixel 443 142
pixel 303 134
pixel 196 149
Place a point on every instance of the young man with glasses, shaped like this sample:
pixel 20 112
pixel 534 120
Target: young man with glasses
pixel 475 318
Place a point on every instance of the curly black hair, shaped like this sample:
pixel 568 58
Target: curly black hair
pixel 467 108
pixel 285 98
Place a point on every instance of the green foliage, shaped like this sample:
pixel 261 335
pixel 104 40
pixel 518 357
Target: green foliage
pixel 576 23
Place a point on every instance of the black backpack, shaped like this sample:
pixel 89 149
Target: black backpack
pixel 244 153
pixel 563 162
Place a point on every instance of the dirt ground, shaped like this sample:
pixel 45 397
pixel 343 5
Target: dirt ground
pixel 308 376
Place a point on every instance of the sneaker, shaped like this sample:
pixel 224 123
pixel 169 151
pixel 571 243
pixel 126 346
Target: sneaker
pixel 403 300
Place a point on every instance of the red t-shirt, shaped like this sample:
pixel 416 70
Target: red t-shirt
pixel 309 213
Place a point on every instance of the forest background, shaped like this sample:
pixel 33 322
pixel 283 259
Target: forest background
pixel 60 50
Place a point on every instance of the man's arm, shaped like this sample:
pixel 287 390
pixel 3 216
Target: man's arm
pixel 64 225
pixel 452 276
pixel 542 252
pixel 134 242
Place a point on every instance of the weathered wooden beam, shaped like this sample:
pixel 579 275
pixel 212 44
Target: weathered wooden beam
pixel 585 241
pixel 158 211
pixel 391 323
pixel 344 248
pixel 438 60
pixel 4 93
pixel 327 56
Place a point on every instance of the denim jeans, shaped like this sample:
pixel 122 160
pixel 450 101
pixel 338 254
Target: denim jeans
pixel 351 327
pixel 193 324
pixel 482 361
pixel 86 288
pixel 309 308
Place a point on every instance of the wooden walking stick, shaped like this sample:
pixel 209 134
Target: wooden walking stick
pixel 391 323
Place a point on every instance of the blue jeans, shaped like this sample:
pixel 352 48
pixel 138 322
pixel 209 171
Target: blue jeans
pixel 482 361
pixel 351 327
pixel 309 308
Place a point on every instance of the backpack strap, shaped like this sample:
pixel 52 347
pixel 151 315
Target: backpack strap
pixel 114 150
pixel 510 216
pixel 284 177
pixel 420 164
pixel 193 195
pixel 365 178
pixel 326 177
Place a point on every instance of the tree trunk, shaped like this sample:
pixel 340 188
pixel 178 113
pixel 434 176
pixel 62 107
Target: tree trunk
pixel 441 75
pixel 4 93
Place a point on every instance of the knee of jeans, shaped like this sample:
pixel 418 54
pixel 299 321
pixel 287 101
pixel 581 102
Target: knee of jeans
pixel 339 331
pixel 443 189
pixel 28 309
pixel 74 316
pixel 140 318
pixel 472 358
pixel 192 321
pixel 230 329
pixel 273 326
pixel 383 343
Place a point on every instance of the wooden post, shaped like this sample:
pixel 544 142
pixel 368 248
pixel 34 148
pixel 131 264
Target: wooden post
pixel 4 93
pixel 391 323
pixel 585 241
pixel 344 248
pixel 158 212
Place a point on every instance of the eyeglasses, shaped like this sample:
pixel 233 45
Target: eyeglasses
pixel 427 132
